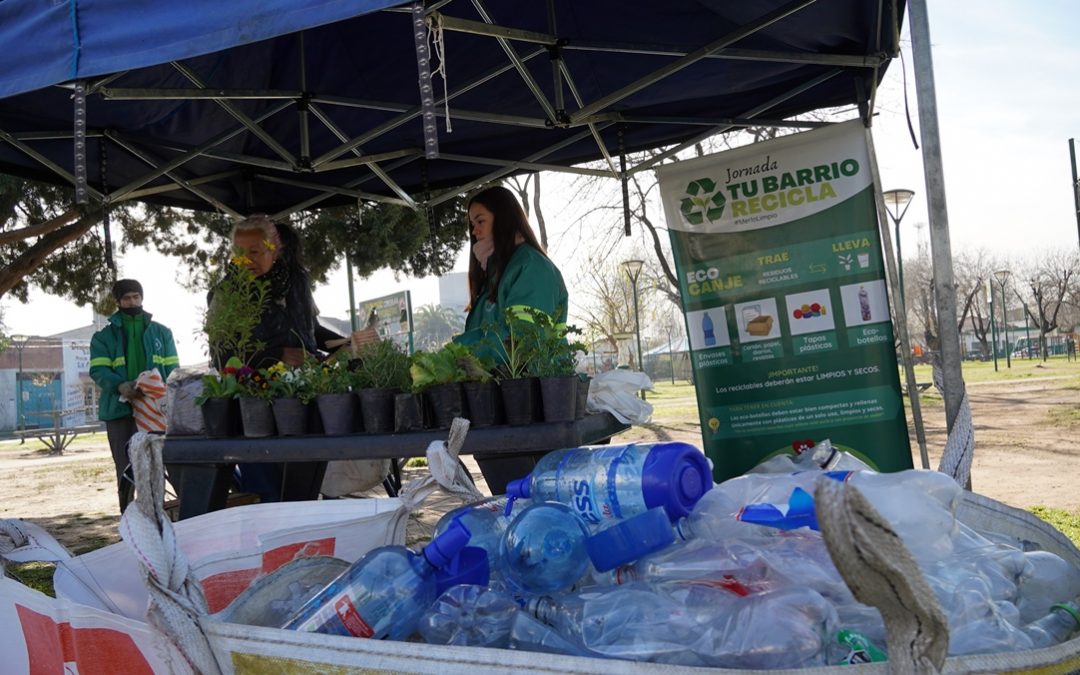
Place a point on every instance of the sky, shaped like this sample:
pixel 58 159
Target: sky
pixel 1005 75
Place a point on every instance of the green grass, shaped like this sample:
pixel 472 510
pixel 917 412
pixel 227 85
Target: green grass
pixel 1065 415
pixel 35 575
pixel 35 444
pixel 983 371
pixel 1067 523
pixel 416 463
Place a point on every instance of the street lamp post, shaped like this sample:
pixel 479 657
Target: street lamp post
pixel 896 203
pixel 20 343
pixel 1027 332
pixel 993 324
pixel 633 270
pixel 1002 277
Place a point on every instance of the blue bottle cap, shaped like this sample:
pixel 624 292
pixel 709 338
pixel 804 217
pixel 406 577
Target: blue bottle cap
pixel 447 545
pixel 800 513
pixel 520 488
pixel 675 476
pixel 630 539
pixel 470 566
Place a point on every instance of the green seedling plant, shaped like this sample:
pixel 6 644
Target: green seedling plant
pixel 380 365
pixel 221 385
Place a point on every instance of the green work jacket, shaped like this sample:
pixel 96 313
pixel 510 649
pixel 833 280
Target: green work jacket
pixel 108 361
pixel 529 280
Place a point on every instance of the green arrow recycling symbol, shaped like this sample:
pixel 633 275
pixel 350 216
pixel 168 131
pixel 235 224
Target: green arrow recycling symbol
pixel 703 202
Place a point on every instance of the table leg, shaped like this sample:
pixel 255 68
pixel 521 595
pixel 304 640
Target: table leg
pixel 301 481
pixel 201 488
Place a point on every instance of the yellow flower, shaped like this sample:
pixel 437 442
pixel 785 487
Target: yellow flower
pixel 270 246
pixel 240 260
pixel 277 368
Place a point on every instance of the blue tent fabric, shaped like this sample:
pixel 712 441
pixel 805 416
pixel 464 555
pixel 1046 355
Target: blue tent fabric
pixel 361 83
pixel 47 43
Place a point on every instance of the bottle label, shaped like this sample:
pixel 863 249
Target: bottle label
pixel 584 503
pixel 351 619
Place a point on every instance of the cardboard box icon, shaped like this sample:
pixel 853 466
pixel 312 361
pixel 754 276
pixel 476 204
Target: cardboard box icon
pixel 760 325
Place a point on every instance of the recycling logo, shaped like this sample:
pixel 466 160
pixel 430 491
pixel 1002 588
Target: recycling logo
pixel 703 202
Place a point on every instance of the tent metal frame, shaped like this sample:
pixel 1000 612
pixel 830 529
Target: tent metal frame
pixel 520 46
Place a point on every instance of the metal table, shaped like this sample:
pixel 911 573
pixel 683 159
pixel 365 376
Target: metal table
pixel 200 468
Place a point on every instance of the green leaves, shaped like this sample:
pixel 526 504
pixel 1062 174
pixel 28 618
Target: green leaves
pixel 452 363
pixel 380 365
pixel 536 345
pixel 235 310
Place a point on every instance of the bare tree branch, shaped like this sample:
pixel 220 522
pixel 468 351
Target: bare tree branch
pixel 40 228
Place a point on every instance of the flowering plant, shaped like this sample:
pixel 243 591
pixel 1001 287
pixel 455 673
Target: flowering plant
pixel 286 382
pixel 221 384
pixel 237 301
pixel 253 383
pixel 328 377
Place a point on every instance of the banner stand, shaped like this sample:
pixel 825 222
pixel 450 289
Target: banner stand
pixel 898 308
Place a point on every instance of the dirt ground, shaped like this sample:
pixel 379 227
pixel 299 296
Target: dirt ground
pixel 1022 458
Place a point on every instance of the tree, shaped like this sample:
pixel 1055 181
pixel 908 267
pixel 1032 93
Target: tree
pixel 971 271
pixel 605 300
pixel 1051 278
pixel 435 325
pixel 58 247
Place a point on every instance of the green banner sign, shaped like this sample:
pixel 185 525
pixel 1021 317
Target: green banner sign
pixel 783 287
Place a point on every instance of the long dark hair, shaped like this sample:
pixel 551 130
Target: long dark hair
pixel 508 221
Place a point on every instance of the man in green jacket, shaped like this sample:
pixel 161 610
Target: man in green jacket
pixel 128 345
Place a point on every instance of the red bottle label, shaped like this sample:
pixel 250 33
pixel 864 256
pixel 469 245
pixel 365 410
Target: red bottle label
pixel 351 618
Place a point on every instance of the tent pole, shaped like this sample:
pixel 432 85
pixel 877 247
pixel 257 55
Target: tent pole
pixel 940 246
pixel 898 306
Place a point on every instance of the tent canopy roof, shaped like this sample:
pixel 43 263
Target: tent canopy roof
pixel 282 105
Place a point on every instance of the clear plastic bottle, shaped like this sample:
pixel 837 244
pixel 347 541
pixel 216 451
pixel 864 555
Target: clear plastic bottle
pixel 468 615
pixel 864 303
pixel 605 484
pixel 544 550
pixel 383 594
pixel 487 520
pixel 696 624
pixel 1057 626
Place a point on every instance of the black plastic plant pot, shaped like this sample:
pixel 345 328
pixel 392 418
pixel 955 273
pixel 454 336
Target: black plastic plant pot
pixel 482 403
pixel 517 397
pixel 257 416
pixel 291 416
pixel 221 417
pixel 559 395
pixel 377 410
pixel 408 412
pixel 337 412
pixel 446 402
pixel 582 397
pixel 538 401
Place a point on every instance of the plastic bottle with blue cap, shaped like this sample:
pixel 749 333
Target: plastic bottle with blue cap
pixel 606 484
pixel 384 594
pixel 487 520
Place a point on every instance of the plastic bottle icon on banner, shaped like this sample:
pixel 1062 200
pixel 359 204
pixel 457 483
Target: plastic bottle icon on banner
pixel 864 303
pixel 707 329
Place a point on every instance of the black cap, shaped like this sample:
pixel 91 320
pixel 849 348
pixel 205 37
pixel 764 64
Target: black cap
pixel 125 286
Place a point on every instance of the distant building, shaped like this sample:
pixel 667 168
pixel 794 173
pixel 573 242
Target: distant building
pixel 53 381
pixel 454 291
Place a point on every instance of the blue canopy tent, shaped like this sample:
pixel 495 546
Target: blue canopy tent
pixel 285 105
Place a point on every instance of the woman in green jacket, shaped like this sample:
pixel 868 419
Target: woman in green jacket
pixel 508 269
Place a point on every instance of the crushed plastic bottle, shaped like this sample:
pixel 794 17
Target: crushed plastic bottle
pixel 1056 627
pixel 695 623
pixel 469 615
pixel 543 550
pixel 383 594
pixel 605 484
